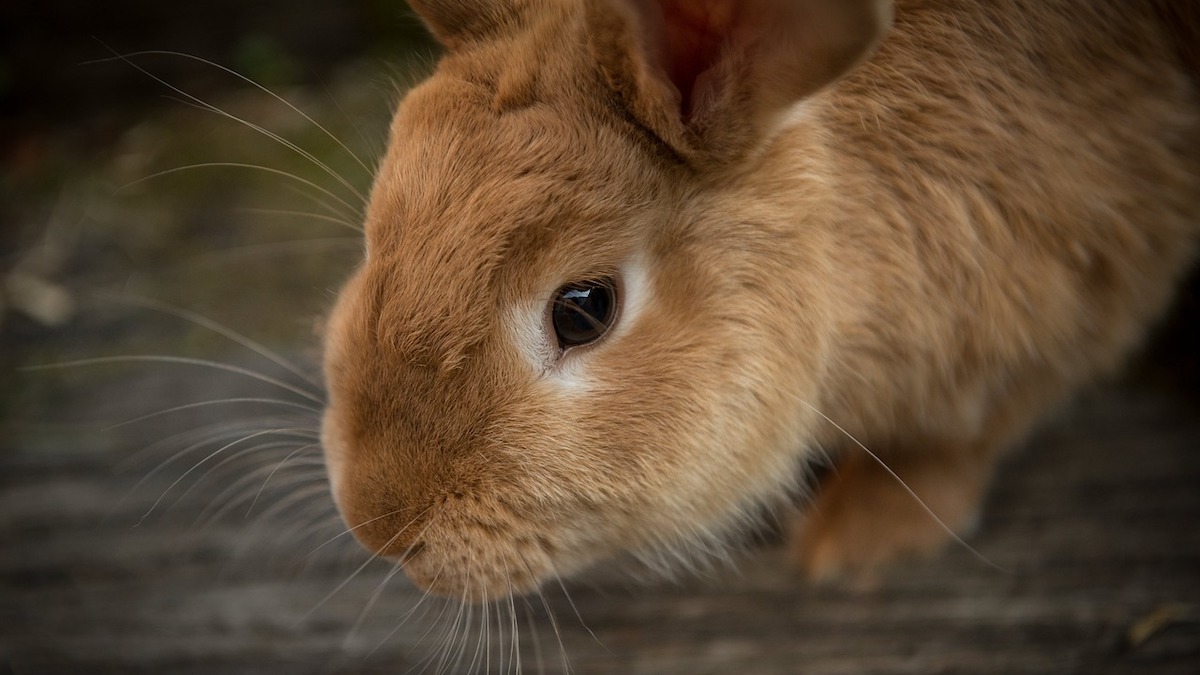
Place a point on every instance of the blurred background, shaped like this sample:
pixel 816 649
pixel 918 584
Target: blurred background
pixel 161 206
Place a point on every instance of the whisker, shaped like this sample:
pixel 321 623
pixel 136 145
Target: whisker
pixel 533 631
pixel 249 478
pixel 229 459
pixel 353 121
pixel 429 656
pixel 313 159
pixel 485 624
pixel 295 494
pixel 209 403
pixel 448 638
pixel 428 593
pixel 315 497
pixel 258 128
pixel 575 609
pixel 309 527
pixel 205 434
pixel 202 461
pixel 278 466
pixel 550 614
pixel 178 360
pixel 316 200
pixel 371 600
pixel 352 529
pixel 288 504
pixel 483 619
pixel 218 328
pixel 920 502
pixel 260 87
pixel 442 647
pixel 490 608
pixel 230 256
pixel 369 560
pixel 353 211
pixel 206 437
pixel 514 646
pixel 291 213
pixel 465 602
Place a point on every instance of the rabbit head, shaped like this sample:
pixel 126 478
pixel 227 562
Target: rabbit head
pixel 577 329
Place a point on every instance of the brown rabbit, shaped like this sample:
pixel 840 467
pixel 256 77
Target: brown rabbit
pixel 630 263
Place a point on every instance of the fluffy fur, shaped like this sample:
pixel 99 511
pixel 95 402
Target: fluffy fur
pixel 929 229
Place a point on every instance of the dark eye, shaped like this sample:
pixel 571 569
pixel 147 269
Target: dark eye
pixel 583 312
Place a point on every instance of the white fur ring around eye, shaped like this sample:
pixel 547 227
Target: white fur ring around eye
pixel 534 335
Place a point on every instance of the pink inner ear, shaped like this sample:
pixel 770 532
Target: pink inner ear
pixel 694 33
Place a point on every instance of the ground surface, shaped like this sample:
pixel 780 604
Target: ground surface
pixel 139 548
pixel 1095 523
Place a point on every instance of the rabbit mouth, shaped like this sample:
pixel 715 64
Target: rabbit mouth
pixel 478 563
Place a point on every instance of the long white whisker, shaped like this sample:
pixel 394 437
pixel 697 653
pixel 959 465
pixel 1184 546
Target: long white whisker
pixel 233 457
pixel 307 528
pixel 562 650
pixel 260 129
pixel 312 159
pixel 353 121
pixel 429 656
pixel 299 488
pixel 207 433
pixel 179 360
pixel 315 497
pixel 251 167
pixel 292 213
pixel 408 615
pixel 575 609
pixel 483 617
pixel 352 529
pixel 316 200
pixel 224 331
pixel 278 466
pixel 205 438
pixel 231 256
pixel 219 505
pixel 369 560
pixel 444 644
pixel 514 630
pixel 213 402
pixel 461 650
pixel 260 87
pixel 288 504
pixel 203 461
pixel 371 600
pixel 913 494
pixel 533 631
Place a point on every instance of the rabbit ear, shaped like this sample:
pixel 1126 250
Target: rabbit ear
pixel 456 22
pixel 711 77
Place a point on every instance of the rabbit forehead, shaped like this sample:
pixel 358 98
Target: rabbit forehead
pixel 455 164
pixel 472 208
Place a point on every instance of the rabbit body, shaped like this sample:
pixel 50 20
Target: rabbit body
pixel 832 223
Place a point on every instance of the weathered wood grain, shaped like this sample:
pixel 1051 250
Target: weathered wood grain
pixel 1095 521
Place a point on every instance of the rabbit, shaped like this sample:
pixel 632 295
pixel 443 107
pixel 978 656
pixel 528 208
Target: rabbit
pixel 632 265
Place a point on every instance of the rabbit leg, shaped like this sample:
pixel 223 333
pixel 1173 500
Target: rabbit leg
pixel 866 515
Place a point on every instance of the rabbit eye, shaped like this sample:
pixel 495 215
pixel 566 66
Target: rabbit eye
pixel 583 312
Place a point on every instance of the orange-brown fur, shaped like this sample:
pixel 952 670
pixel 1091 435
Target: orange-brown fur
pixel 939 245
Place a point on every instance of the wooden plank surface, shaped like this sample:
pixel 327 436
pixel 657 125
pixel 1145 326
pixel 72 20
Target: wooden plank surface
pixel 1095 521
